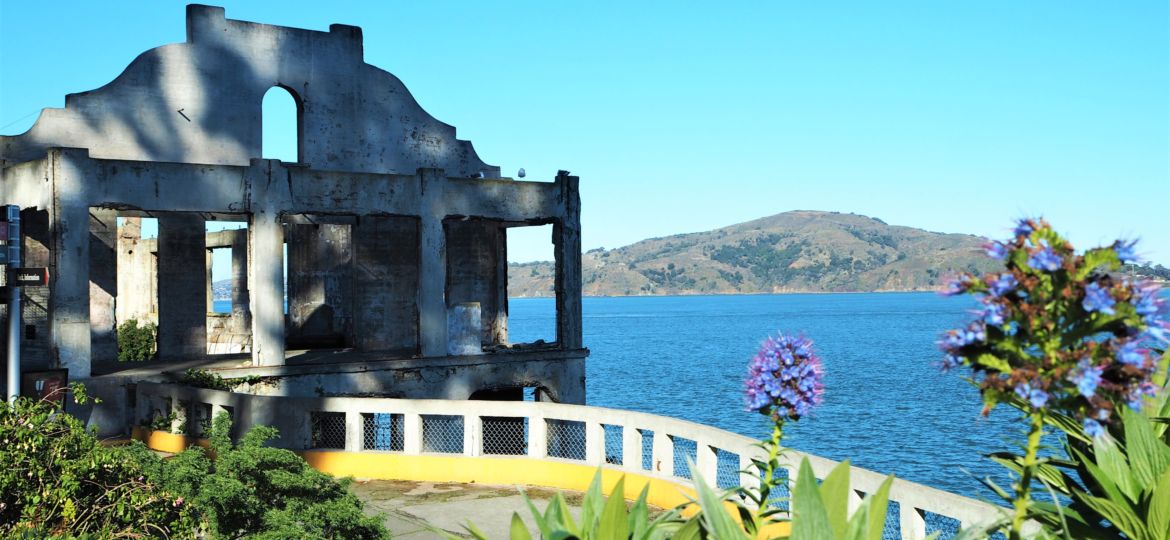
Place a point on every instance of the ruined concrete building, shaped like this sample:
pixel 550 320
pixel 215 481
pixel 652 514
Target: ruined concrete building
pixel 391 224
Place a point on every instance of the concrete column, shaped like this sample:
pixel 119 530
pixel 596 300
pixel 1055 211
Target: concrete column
pixel 241 311
pixel 631 448
pixel 354 431
pixel 412 433
pixel 182 280
pixel 472 435
pixel 706 463
pixel 499 328
pixel 594 443
pixel 432 298
pixel 103 282
pixel 210 296
pixel 537 437
pixel 71 171
pixel 663 454
pixel 567 246
pixel 912 522
pixel 266 279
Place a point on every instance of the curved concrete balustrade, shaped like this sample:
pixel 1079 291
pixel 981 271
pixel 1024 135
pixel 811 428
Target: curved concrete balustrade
pixel 548 444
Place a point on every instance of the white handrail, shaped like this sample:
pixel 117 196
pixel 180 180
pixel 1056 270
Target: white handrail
pixel 587 443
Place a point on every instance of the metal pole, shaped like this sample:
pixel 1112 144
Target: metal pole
pixel 14 312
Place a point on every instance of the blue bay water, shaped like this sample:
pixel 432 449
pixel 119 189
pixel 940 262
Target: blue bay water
pixel 886 406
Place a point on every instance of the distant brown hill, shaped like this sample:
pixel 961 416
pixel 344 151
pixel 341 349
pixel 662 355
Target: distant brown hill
pixel 800 251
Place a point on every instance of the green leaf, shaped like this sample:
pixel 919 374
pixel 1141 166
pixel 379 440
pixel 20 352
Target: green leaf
pixel 857 528
pixel 993 362
pixel 545 530
pixel 1113 464
pixel 518 531
pixel 1158 517
pixel 835 495
pixel 1147 455
pixel 614 522
pixel 592 503
pixel 1120 516
pixel 878 503
pixel 639 518
pixel 714 515
pixel 810 520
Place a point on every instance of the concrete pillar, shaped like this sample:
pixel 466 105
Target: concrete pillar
pixel 567 246
pixel 499 328
pixel 537 437
pixel 103 282
pixel 71 170
pixel 210 296
pixel 631 448
pixel 412 433
pixel 241 311
pixel 182 283
pixel 266 279
pixel 594 443
pixel 432 301
pixel 662 455
pixel 706 463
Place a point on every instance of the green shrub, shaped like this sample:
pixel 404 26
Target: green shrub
pixel 251 489
pixel 56 479
pixel 137 343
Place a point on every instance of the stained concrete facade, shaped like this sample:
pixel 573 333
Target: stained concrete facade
pixel 389 220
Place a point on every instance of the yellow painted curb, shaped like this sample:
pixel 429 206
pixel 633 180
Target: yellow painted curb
pixel 476 470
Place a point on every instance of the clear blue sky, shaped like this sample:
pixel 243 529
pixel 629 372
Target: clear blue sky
pixel 953 117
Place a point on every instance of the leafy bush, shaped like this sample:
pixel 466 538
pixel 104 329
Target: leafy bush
pixel 252 489
pixel 57 479
pixel 136 343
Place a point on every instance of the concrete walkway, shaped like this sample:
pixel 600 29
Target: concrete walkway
pixel 411 509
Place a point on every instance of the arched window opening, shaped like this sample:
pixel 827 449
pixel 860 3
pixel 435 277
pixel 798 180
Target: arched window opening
pixel 281 117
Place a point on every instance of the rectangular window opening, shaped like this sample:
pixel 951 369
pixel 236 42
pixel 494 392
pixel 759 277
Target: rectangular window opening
pixel 532 307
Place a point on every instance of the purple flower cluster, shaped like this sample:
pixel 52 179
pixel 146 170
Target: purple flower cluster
pixel 784 378
pixel 1097 359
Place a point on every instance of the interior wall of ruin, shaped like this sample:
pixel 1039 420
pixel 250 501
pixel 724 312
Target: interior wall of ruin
pixel 386 283
pixel 475 248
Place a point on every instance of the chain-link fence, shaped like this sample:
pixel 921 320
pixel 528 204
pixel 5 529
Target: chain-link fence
pixel 647 449
pixel 566 439
pixel 613 444
pixel 442 433
pixel 327 430
pixel 726 469
pixel 383 431
pixel 684 450
pixel 780 495
pixel 505 435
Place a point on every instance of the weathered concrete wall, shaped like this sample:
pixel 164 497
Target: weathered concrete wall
pixel 203 99
pixel 137 268
pixel 386 281
pixel 182 282
pixel 35 352
pixel 474 250
pixel 177 135
pixel 103 283
pixel 562 378
pixel 320 285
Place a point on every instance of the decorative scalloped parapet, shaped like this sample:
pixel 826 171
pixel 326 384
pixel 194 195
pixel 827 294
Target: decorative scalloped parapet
pixel 200 102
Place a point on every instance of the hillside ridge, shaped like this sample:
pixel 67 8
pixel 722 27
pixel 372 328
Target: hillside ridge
pixel 797 251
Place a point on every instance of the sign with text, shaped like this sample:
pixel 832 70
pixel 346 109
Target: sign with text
pixel 49 385
pixel 28 277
